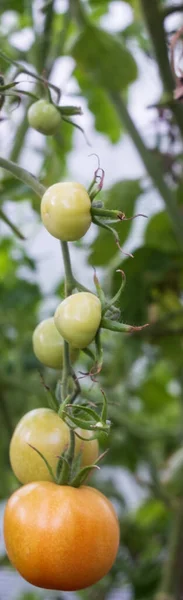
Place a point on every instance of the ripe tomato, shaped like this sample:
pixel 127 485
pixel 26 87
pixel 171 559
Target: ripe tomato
pixel 45 430
pixel 48 345
pixel 44 117
pixel 78 317
pixel 65 211
pixel 60 537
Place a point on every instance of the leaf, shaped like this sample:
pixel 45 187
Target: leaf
pixel 154 396
pixel 16 5
pixel 148 269
pixel 104 57
pixel 122 196
pixel 106 118
pixel 159 233
pixel 151 514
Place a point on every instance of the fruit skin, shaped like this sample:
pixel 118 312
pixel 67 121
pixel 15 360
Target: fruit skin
pixel 44 117
pixel 45 430
pixel 48 345
pixel 60 537
pixel 66 211
pixel 78 317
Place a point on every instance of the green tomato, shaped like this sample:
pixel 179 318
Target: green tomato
pixel 45 430
pixel 66 211
pixel 44 117
pixel 48 345
pixel 78 317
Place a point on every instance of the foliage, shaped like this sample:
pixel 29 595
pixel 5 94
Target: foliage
pixel 142 373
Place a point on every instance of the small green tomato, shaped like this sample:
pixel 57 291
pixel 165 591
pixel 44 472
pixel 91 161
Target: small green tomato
pixel 44 117
pixel 78 317
pixel 48 345
pixel 66 211
pixel 45 430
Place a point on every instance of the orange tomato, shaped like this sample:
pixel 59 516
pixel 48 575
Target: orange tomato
pixel 60 537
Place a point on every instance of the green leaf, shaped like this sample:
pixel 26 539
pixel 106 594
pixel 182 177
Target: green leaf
pixel 148 269
pixel 104 57
pixel 122 196
pixel 106 118
pixel 151 514
pixel 159 233
pixel 154 396
pixel 16 5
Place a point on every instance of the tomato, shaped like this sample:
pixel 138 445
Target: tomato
pixel 60 537
pixel 45 430
pixel 65 211
pixel 48 345
pixel 44 117
pixel 78 317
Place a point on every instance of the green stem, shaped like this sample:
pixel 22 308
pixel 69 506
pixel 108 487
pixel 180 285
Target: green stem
pixel 23 175
pixel 154 22
pixel 78 13
pixel 13 227
pixel 43 42
pixel 66 371
pixel 121 327
pixel 23 69
pixel 115 326
pixel 71 449
pixel 69 278
pixel 153 167
pixel 172 582
pixel 105 212
pixel 20 135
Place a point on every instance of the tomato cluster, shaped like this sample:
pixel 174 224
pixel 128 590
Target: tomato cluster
pixel 62 537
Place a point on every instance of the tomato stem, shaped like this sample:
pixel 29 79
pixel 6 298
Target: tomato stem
pixel 23 175
pixel 116 326
pixel 69 278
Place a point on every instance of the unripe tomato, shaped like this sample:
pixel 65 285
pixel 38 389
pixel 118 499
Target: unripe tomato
pixel 48 345
pixel 60 537
pixel 78 317
pixel 45 430
pixel 44 117
pixel 65 211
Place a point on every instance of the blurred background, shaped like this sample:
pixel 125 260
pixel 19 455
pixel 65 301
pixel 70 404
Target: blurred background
pixel 124 85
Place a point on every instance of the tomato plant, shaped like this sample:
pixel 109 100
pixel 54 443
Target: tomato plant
pixel 65 210
pixel 47 432
pixel 60 537
pixel 78 317
pixel 44 117
pixel 48 345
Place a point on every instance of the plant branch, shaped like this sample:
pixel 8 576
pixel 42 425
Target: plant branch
pixel 68 372
pixel 69 278
pixel 13 227
pixel 171 587
pixel 152 166
pixel 23 175
pixel 154 22
pixel 170 10
pixel 78 13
